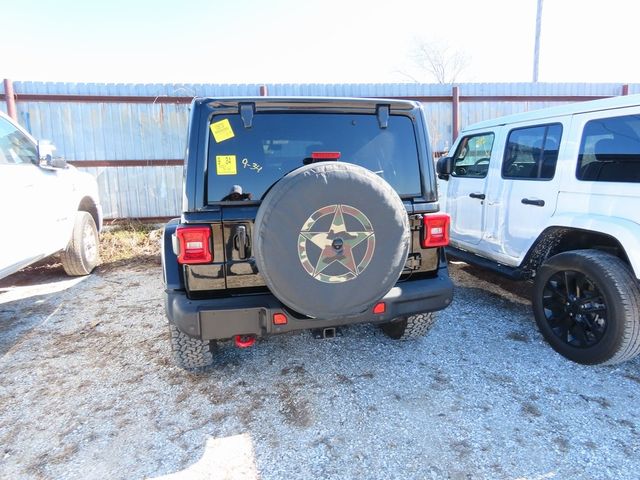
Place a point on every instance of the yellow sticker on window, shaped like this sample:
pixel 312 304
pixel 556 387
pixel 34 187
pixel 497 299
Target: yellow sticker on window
pixel 226 165
pixel 222 130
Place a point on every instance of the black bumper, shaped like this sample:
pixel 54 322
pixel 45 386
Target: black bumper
pixel 221 318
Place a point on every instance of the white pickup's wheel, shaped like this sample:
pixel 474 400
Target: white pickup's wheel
pixel 82 253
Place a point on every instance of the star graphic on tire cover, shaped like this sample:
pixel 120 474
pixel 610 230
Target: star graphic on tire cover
pixel 337 244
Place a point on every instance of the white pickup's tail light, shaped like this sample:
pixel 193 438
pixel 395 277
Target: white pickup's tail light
pixel 195 244
pixel 435 230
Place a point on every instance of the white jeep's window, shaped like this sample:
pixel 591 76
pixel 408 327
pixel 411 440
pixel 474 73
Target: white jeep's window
pixel 15 147
pixel 610 150
pixel 472 156
pixel 532 152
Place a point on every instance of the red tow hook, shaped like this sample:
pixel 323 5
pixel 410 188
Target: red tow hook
pixel 245 341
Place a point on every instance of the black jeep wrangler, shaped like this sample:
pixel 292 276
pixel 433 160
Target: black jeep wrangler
pixel 303 213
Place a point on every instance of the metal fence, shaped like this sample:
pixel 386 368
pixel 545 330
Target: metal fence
pixel 132 137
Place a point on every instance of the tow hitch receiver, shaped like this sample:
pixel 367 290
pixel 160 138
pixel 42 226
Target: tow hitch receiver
pixel 329 332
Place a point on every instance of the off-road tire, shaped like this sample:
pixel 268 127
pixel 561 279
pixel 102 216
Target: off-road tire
pixel 619 287
pixel 414 326
pixel 82 253
pixel 191 353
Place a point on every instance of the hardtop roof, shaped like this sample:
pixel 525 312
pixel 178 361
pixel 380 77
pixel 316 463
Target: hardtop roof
pixel 561 110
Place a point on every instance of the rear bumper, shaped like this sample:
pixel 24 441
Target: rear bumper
pixel 221 318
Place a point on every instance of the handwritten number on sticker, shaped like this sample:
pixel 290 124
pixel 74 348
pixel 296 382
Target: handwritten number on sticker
pixel 252 166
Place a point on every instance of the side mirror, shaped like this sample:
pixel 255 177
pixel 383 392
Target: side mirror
pixel 58 163
pixel 444 167
pixel 46 158
pixel 45 150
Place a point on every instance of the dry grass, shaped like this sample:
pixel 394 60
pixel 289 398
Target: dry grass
pixel 130 243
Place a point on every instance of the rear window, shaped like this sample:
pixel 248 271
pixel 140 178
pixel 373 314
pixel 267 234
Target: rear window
pixel 532 152
pixel 610 150
pixel 244 162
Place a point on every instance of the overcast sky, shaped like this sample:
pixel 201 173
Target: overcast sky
pixel 297 41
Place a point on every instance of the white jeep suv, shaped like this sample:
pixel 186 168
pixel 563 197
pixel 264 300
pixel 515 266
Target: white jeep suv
pixel 46 206
pixel 554 195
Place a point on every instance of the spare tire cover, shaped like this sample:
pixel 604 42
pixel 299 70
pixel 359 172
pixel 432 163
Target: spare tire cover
pixel 331 239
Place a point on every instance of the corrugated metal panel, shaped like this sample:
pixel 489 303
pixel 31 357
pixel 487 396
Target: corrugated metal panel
pixel 439 124
pixel 109 131
pixel 155 131
pixel 131 192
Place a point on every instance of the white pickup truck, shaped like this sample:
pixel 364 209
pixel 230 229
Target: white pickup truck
pixel 46 206
pixel 554 195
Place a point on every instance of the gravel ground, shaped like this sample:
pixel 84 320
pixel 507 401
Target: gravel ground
pixel 88 390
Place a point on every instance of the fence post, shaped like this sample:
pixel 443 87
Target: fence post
pixel 455 113
pixel 263 91
pixel 10 98
pixel 625 89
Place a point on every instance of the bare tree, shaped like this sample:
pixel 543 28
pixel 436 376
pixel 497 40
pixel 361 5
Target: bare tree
pixel 440 61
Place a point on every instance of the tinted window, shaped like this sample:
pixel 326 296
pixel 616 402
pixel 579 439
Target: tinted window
pixel 532 153
pixel 245 162
pixel 610 150
pixel 472 156
pixel 15 147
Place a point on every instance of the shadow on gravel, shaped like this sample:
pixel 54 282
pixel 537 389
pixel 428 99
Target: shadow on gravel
pixel 17 320
pixel 46 271
pixel 28 298
pixel 522 289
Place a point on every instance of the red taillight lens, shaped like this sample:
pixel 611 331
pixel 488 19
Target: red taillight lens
pixel 195 245
pixel 436 230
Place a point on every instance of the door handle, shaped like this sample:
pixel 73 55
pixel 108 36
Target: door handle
pixel 479 196
pixel 240 241
pixel 533 201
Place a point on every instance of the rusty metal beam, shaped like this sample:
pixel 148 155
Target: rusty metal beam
pixel 10 98
pixel 126 163
pixel 39 97
pixel 35 97
pixel 455 113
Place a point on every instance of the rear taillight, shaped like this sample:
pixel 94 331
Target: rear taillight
pixel 195 244
pixel 435 230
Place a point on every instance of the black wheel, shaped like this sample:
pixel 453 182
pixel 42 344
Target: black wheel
pixel 414 326
pixel 82 253
pixel 191 353
pixel 587 306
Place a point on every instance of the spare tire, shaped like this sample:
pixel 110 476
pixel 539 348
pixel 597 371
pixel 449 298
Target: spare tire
pixel 331 239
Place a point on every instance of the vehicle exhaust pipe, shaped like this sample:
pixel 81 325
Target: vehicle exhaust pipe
pixel 245 341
